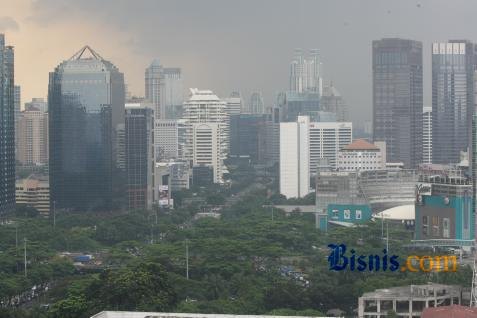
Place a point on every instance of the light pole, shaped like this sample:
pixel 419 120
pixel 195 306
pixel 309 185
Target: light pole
pixel 187 258
pixel 25 255
pixel 54 214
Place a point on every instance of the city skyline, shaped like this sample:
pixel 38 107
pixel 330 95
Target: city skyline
pixel 41 33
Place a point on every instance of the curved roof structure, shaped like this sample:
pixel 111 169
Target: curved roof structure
pixel 402 212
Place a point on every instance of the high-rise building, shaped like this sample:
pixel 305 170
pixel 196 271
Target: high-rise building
pixel 305 72
pixel 37 103
pixel 332 101
pixel 86 120
pixel 427 135
pixel 170 139
pixel 295 158
pixel 17 103
pixel 269 137
pixel 204 107
pixel 398 99
pixel 153 79
pixel 245 135
pixel 452 99
pixel 256 106
pixel 326 140
pixel 173 92
pixel 140 156
pixel 32 137
pixel 206 148
pixel 233 104
pixel 7 127
pixel 294 104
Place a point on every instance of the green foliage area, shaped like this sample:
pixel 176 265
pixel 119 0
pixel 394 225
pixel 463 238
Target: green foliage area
pixel 233 267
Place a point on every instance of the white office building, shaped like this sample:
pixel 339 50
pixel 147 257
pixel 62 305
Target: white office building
pixel 169 139
pixel 361 155
pixel 206 148
pixel 295 158
pixel 326 140
pixel 427 135
pixel 205 108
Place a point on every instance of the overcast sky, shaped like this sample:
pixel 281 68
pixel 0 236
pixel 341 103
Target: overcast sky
pixel 227 45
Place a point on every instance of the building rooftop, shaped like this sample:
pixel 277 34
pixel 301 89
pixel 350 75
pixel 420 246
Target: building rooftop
pixel 360 144
pixel 413 291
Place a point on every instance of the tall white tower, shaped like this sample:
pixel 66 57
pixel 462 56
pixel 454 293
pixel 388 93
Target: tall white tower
pixel 204 107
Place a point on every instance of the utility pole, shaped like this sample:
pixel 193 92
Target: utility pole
pixel 187 258
pixel 25 255
pixel 272 213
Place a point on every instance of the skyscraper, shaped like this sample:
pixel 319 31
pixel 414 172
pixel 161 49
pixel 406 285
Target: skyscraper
pixel 86 122
pixel 295 158
pixel 204 107
pixel 233 104
pixel 37 103
pixel 452 99
pixel 140 156
pixel 256 105
pixel 173 92
pixel 170 139
pixel 305 72
pixel 397 99
pixel 332 101
pixel 153 87
pixel 7 127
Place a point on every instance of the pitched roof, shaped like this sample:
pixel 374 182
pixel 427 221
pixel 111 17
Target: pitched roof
pixel 360 144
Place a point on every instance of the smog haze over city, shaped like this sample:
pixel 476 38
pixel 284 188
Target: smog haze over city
pixel 238 158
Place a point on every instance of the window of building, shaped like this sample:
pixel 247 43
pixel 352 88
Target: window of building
pixel 347 214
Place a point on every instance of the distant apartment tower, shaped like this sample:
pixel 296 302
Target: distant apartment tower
pixel 140 156
pixel 170 138
pixel 295 158
pixel 32 137
pixel 453 66
pixel 153 87
pixel 332 101
pixel 326 140
pixel 305 72
pixel 204 107
pixel 256 105
pixel 269 137
pixel 37 103
pixel 398 99
pixel 7 127
pixel 360 155
pixel 86 125
pixel 233 104
pixel 427 135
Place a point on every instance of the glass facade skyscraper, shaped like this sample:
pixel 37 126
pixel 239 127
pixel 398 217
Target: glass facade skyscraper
pixel 86 112
pixel 7 128
pixel 452 99
pixel 398 99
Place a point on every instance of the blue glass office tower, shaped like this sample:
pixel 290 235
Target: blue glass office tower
pixel 7 128
pixel 86 130
pixel 453 66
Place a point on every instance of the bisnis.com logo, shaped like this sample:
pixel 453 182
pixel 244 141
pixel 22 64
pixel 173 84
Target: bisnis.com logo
pixel 340 260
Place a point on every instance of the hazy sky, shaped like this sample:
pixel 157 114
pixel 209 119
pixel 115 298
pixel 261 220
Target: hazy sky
pixel 227 45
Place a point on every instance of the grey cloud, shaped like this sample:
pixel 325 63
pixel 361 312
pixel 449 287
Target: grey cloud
pixel 8 23
pixel 247 44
